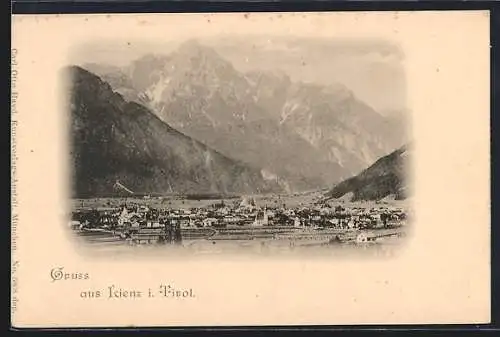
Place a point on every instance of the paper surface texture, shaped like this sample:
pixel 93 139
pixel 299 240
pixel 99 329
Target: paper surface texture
pixel 266 113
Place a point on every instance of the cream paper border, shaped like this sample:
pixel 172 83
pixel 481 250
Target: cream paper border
pixel 442 275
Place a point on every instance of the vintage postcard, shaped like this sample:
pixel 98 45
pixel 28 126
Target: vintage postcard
pixel 250 169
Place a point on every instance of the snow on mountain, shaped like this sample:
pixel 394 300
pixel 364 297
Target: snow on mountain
pixel 307 134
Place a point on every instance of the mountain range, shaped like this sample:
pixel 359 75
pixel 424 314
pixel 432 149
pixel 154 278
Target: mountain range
pixel 385 179
pixel 302 135
pixel 117 140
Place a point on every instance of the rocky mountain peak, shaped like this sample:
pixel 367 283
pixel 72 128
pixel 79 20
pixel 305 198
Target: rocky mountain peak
pixel 313 135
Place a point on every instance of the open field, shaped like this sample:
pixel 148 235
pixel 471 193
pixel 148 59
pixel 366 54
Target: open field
pixel 271 200
pixel 252 248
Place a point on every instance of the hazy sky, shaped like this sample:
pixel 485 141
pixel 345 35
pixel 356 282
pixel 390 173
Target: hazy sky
pixel 374 70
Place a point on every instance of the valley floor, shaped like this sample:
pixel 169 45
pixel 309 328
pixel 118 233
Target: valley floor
pixel 300 223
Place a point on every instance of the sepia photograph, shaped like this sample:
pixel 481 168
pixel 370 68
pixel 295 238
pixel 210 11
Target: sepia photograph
pixel 240 143
pixel 250 169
